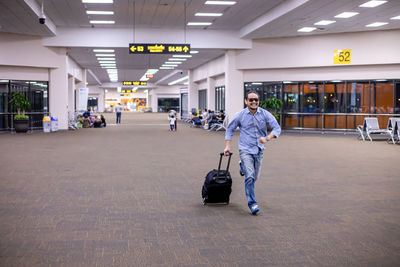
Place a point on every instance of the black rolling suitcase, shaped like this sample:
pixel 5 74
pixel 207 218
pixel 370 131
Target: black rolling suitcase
pixel 217 186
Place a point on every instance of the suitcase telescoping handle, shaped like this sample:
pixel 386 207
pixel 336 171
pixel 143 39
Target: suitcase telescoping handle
pixel 227 166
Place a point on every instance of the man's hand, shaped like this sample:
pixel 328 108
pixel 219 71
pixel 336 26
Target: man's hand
pixel 262 140
pixel 227 151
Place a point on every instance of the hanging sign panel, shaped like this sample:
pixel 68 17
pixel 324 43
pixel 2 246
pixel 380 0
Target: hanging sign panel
pixel 159 49
pixel 342 56
pixel 134 83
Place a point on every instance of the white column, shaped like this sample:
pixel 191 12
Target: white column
pixel 234 86
pixel 58 92
pixel 193 93
pixel 211 93
pixel 71 96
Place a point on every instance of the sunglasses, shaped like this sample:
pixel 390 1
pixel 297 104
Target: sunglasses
pixel 253 99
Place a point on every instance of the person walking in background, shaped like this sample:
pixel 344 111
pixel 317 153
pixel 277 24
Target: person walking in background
pixel 172 121
pixel 253 122
pixel 118 111
pixel 171 113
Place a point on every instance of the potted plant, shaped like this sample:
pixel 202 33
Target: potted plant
pixel 21 104
pixel 273 105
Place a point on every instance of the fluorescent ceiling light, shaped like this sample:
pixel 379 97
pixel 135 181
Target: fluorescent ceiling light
pixel 177 59
pixel 324 22
pixel 181 55
pixel 93 12
pixel 376 24
pixel 307 29
pixel 287 82
pixel 169 62
pixel 208 14
pixel 166 68
pixel 227 3
pixel 102 21
pixel 373 3
pixel 105 55
pixel 179 80
pixel 97 1
pixel 346 15
pixel 169 65
pixel 106 58
pixel 151 71
pixel 103 50
pixel 112 71
pixel 381 80
pixel 109 67
pixel 106 61
pixel 256 83
pixel 336 81
pixel 199 23
pixel 397 17
pixel 107 64
pixel 193 52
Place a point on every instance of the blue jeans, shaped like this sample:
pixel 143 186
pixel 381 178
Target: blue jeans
pixel 118 117
pixel 251 166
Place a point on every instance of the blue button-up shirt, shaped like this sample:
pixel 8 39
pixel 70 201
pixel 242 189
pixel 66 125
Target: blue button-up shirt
pixel 252 127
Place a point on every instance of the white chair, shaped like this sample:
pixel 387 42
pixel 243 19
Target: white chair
pixel 220 126
pixel 392 127
pixel 371 126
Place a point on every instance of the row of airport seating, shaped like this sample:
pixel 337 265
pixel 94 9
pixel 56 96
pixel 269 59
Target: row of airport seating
pixel 371 127
pixel 216 126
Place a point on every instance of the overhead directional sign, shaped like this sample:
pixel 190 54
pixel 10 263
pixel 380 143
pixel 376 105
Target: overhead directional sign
pixel 134 83
pixel 159 48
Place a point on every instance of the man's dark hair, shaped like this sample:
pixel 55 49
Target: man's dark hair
pixel 251 92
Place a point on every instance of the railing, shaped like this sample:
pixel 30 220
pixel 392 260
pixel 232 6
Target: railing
pixel 323 120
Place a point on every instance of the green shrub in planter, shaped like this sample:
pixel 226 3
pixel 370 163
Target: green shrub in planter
pixel 21 104
pixel 273 105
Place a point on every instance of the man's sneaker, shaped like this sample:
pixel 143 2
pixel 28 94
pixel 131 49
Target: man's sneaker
pixel 254 209
pixel 240 169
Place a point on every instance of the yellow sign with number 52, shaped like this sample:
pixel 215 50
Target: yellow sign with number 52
pixel 342 56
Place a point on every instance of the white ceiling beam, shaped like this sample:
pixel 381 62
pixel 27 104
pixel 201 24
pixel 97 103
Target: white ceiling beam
pixel 94 76
pixel 37 10
pixel 271 15
pixel 121 37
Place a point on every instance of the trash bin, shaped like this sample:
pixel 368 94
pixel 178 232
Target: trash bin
pixel 54 124
pixel 46 124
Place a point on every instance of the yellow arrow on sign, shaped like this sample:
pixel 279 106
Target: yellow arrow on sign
pixel 133 48
pixel 185 48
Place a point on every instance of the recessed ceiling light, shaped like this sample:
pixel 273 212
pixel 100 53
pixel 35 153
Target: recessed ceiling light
pixel 103 50
pixel 307 29
pixel 193 52
pixel 170 65
pixel 373 3
pixel 179 80
pixel 199 23
pixel 227 3
pixel 93 12
pixel 376 24
pixel 397 17
pixel 97 1
pixel 102 22
pixel 169 62
pixel 106 58
pixel 105 55
pixel 177 59
pixel 345 15
pixel 324 22
pixel 208 14
pixel 181 55
pixel 166 68
pixel 106 61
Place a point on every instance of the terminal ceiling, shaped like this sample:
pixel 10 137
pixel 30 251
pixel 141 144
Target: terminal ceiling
pixel 248 19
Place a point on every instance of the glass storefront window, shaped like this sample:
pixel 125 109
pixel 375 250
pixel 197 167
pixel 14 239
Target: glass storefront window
pixel 311 97
pixel 291 98
pixel 358 97
pixel 384 94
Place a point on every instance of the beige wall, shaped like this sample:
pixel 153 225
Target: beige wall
pixel 23 57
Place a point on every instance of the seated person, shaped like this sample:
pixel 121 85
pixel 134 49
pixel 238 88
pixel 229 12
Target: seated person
pixel 221 116
pixel 103 121
pixel 86 113
pixel 213 120
pixel 97 122
pixel 86 122
pixel 79 122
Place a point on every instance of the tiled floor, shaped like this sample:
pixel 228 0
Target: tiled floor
pixel 129 195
